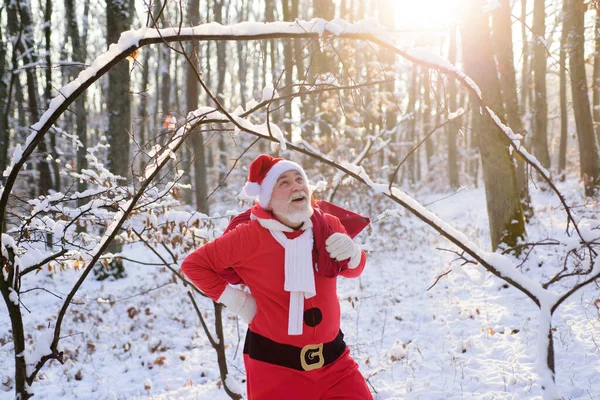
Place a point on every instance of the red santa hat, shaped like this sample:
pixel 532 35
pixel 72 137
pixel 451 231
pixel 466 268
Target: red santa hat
pixel 263 174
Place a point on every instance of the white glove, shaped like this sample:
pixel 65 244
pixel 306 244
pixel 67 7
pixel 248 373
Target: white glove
pixel 342 247
pixel 239 302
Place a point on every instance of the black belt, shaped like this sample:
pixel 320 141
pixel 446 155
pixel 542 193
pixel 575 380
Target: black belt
pixel 307 358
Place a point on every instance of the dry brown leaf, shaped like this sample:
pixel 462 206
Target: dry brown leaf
pixel 133 56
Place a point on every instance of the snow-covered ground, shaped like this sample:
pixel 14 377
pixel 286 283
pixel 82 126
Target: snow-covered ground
pixel 468 337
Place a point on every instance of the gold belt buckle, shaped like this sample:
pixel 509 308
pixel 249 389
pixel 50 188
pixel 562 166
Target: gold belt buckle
pixel 309 353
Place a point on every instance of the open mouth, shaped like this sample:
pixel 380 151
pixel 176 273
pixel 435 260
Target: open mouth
pixel 298 199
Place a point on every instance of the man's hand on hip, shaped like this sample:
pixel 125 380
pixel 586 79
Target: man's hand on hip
pixel 341 247
pixel 239 302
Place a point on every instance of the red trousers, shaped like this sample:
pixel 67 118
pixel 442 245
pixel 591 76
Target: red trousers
pixel 340 380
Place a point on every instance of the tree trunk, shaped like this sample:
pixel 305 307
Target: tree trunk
pixel 165 83
pixel 452 129
pixel 176 85
pixel 505 215
pixel 589 154
pixel 221 360
pixel 143 110
pixel 540 130
pixel 288 57
pixel 323 64
pixel 596 79
pixel 242 51
pixel 4 103
pixel 564 117
pixel 221 72
pixel 525 73
pixel 11 284
pixel 387 89
pixel 208 82
pixel 412 130
pixel 503 49
pixel 79 47
pixel 48 91
pixel 118 19
pixel 426 112
pixel 197 139
pixel 272 53
pixel 20 11
pixel 298 46
pixel 20 106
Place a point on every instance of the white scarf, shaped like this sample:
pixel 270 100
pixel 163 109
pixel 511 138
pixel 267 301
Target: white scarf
pixel 299 276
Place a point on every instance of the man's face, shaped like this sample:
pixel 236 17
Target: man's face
pixel 291 198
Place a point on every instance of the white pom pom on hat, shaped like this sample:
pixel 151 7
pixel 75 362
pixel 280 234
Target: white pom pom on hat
pixel 251 189
pixel 263 174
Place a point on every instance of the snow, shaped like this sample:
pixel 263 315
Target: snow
pixel 455 114
pixel 233 384
pixel 41 347
pixel 506 267
pixel 426 55
pixel 13 296
pixel 17 153
pixel 467 337
pixel 264 129
pixel 269 93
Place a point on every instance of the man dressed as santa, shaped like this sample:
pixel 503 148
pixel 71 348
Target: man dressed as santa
pixel 289 254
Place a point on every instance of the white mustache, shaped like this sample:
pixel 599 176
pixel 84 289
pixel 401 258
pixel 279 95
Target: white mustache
pixel 296 196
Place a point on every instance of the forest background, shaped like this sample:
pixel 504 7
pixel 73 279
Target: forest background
pixel 145 145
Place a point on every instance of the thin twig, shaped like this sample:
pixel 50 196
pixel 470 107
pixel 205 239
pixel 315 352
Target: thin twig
pixel 438 278
pixel 39 288
pixel 141 293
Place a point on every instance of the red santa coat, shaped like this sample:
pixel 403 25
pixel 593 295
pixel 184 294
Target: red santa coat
pixel 259 260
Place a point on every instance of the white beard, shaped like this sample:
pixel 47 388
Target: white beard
pixel 299 216
pixel 295 214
